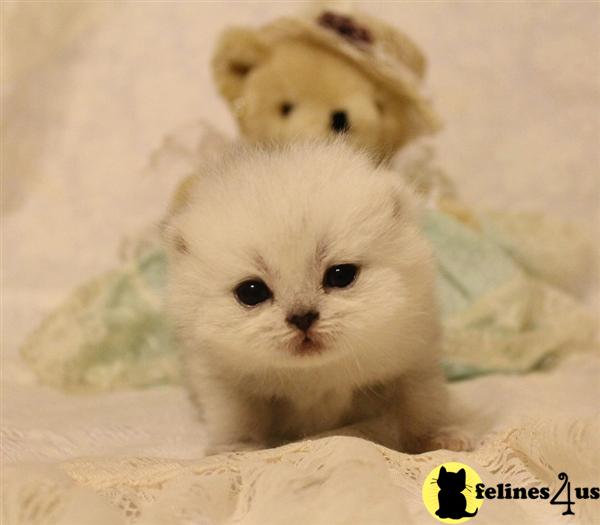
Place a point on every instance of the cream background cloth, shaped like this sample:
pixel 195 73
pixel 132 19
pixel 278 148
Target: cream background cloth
pixel 91 89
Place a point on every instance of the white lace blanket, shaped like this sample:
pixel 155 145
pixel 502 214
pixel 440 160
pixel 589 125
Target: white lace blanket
pixel 137 457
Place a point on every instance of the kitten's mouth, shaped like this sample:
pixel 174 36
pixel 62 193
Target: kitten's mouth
pixel 307 346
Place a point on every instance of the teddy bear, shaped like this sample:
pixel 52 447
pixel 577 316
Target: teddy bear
pixel 332 75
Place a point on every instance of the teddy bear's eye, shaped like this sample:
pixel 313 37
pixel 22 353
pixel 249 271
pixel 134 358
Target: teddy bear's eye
pixel 379 106
pixel 286 108
pixel 239 68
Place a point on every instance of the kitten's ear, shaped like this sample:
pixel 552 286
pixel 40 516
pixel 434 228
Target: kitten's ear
pixel 462 474
pixel 182 195
pixel 442 470
pixel 405 204
pixel 170 231
pixel 172 238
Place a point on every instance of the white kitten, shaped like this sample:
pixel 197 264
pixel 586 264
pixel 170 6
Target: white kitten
pixel 304 295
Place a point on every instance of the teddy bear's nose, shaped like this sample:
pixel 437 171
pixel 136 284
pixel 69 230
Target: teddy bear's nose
pixel 339 121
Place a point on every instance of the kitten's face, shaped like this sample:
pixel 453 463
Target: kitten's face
pixel 296 259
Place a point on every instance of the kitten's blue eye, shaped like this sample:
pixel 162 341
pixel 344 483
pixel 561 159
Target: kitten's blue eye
pixel 340 276
pixel 252 292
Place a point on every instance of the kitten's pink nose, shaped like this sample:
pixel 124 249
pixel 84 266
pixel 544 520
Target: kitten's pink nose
pixel 303 321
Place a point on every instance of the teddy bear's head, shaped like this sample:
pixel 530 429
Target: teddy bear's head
pixel 292 87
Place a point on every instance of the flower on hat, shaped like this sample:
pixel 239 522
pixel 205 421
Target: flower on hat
pixel 346 27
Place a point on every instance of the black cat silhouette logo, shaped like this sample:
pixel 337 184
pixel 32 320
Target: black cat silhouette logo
pixel 452 502
pixel 448 493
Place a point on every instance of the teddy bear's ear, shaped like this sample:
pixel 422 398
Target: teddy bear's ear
pixel 238 51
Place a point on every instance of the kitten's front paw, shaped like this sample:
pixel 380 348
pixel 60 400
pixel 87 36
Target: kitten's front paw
pixel 240 446
pixel 453 439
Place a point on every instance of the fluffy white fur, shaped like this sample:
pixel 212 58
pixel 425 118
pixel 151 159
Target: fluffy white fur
pixel 285 216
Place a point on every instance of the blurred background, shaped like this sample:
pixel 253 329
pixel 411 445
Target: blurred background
pixel 90 89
